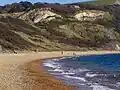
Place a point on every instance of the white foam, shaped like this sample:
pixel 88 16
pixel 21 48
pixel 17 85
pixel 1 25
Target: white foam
pixel 78 78
pixel 55 59
pixel 57 70
pixel 91 75
pixel 62 71
pixel 99 87
pixel 83 70
pixel 49 65
pixel 118 84
pixel 60 58
pixel 64 58
pixel 55 73
pixel 78 70
pixel 68 73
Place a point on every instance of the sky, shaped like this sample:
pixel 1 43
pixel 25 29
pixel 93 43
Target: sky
pixel 3 2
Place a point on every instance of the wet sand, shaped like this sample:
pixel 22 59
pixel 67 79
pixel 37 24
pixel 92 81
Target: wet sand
pixel 25 72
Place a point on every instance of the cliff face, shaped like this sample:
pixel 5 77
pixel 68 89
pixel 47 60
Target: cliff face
pixel 89 15
pixel 39 15
pixel 45 29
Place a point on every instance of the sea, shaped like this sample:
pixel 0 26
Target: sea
pixel 94 72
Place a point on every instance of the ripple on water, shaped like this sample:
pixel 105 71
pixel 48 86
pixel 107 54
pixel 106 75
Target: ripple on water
pixel 99 72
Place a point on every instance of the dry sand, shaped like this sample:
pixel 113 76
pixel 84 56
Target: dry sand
pixel 24 71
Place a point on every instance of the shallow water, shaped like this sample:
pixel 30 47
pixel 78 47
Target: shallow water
pixel 96 72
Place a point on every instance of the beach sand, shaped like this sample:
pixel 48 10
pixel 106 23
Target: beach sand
pixel 24 71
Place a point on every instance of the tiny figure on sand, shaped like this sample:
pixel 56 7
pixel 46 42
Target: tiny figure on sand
pixel 61 52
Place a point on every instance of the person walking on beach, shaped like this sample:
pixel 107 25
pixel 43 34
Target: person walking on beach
pixel 61 52
pixel 74 54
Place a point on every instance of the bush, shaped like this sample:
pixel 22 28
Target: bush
pixel 107 20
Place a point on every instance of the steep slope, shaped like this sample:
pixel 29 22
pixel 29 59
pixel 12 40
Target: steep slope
pixel 16 35
pixel 39 15
pixel 46 30
pixel 103 2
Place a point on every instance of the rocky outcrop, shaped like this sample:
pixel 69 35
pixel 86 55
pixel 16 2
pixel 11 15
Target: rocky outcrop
pixel 89 15
pixel 39 15
pixel 16 7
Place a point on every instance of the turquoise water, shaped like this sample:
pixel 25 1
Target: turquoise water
pixel 96 72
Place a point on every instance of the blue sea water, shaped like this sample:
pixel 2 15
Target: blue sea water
pixel 95 72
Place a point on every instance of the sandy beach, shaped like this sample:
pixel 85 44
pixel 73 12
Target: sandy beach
pixel 24 71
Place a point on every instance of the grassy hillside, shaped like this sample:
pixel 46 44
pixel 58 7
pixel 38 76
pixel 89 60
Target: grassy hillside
pixel 102 2
pixel 17 35
pixel 58 34
pixel 44 29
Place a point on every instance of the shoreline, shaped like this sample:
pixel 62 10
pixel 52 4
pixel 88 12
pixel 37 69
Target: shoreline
pixel 36 66
pixel 45 79
pixel 32 72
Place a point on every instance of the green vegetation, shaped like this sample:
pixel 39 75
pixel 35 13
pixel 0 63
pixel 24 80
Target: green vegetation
pixel 107 21
pixel 103 2
pixel 57 34
pixel 93 30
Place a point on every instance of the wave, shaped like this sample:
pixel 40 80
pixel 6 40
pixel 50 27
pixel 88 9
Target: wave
pixel 78 78
pixel 91 75
pixel 60 58
pixel 76 71
pixel 67 73
pixel 99 87
pixel 51 64
pixel 57 70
